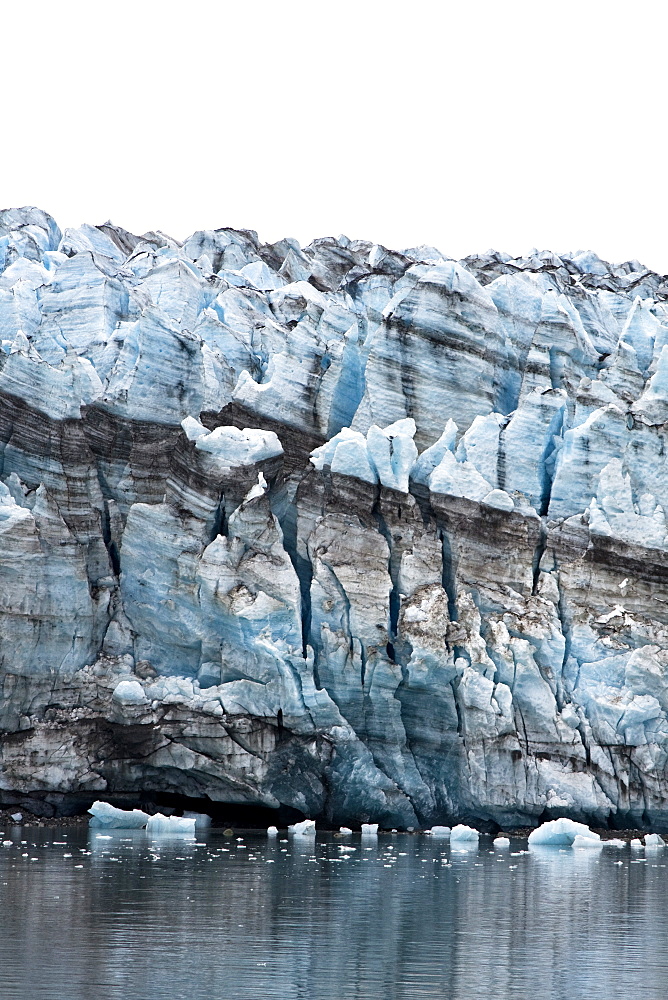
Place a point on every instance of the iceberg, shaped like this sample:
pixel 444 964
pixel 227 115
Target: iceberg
pixel 106 816
pixel 272 831
pixel 439 831
pixel 586 842
pixel 654 840
pixel 561 833
pixel 500 842
pixel 304 829
pixel 461 834
pixel 369 829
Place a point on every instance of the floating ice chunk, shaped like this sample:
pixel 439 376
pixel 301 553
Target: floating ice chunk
pixel 369 829
pixel 654 840
pixel 588 842
pixel 345 830
pixel 170 824
pixel 463 834
pixel 614 843
pixel 636 843
pixel 17 817
pixel 272 831
pixel 202 820
pixel 304 829
pixel 108 816
pixel 560 833
pixel 439 831
pixel 130 693
pixel 501 842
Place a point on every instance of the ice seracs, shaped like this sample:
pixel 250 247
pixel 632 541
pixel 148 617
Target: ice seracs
pixel 337 529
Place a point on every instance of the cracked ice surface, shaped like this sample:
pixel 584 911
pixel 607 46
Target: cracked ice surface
pixel 376 535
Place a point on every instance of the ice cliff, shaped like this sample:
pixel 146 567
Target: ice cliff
pixel 373 535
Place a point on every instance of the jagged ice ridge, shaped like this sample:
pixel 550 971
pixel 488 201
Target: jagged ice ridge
pixel 373 535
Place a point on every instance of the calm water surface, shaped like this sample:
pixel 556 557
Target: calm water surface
pixel 84 916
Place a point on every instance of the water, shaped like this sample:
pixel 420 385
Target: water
pixel 85 917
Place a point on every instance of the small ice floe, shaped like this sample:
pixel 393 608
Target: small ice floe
pixel 17 817
pixel 304 829
pixel 439 831
pixel 108 817
pixel 461 834
pixel 636 843
pixel 615 842
pixel 560 833
pixel 501 842
pixel 345 830
pixel 272 831
pixel 369 829
pixel 654 840
pixel 170 824
pixel 587 842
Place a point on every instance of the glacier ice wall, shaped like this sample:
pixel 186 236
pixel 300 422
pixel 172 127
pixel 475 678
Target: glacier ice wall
pixel 371 535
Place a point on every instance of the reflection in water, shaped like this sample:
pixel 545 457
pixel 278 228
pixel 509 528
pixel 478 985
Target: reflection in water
pixel 120 915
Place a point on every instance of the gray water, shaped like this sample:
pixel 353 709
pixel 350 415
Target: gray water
pixel 83 916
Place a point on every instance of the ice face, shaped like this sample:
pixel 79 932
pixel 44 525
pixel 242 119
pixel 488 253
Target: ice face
pixel 368 534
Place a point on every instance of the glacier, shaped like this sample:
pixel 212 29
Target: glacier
pixel 339 532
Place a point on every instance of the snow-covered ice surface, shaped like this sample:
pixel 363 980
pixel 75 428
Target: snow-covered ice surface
pixel 372 535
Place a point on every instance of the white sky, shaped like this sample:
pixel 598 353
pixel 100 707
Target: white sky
pixel 464 125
